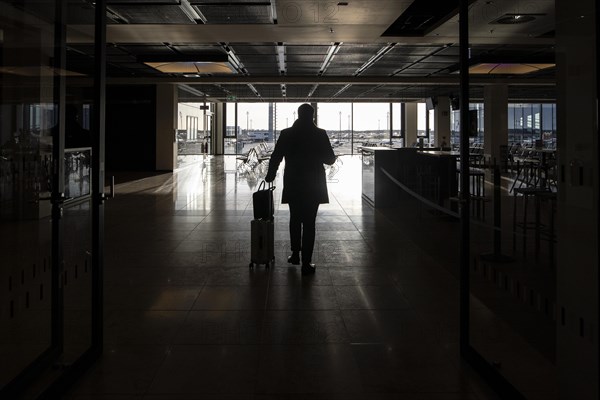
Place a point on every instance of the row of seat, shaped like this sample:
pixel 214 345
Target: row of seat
pixel 256 157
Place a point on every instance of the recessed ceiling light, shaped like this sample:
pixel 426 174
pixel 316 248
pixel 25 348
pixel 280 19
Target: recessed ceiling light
pixel 507 68
pixel 513 19
pixel 192 68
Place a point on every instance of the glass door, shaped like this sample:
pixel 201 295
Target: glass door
pixel 50 253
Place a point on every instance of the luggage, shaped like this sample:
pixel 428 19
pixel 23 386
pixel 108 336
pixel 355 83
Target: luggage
pixel 262 227
pixel 262 251
pixel 262 201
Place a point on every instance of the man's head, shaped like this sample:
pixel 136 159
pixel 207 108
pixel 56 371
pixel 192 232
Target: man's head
pixel 306 112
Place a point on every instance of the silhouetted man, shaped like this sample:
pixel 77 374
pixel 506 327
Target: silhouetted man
pixel 305 148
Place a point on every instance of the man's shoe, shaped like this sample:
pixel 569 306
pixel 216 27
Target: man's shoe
pixel 308 269
pixel 294 259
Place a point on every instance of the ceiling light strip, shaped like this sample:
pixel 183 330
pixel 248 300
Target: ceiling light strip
pixel 341 90
pixel 274 12
pixel 382 52
pixel 281 58
pixel 333 49
pixel 251 86
pixel 312 90
pixel 234 60
pixel 191 12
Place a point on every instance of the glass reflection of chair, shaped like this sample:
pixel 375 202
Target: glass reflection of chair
pixel 537 182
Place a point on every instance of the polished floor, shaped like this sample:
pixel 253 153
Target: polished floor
pixel 186 318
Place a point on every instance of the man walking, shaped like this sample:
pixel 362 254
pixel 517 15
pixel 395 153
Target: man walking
pixel 305 148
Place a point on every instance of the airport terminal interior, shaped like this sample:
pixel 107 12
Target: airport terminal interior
pixel 456 258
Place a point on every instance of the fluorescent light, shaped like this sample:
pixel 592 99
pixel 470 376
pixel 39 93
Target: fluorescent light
pixel 333 49
pixel 281 58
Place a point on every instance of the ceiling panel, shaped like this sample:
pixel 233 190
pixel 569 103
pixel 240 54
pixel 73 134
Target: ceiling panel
pixel 152 14
pixel 256 49
pixel 254 40
pixel 308 50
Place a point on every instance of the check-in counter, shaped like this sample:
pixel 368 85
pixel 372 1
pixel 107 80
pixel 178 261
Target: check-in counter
pixel 437 173
pixel 428 174
pixel 377 189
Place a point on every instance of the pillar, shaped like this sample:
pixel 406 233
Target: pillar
pixel 166 123
pixel 495 120
pixel 441 124
pixel 219 127
pixel 578 199
pixel 410 124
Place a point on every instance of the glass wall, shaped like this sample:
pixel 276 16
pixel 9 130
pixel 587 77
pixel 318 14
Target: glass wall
pixel 397 127
pixel 532 125
pixel 529 125
pixel 350 126
pixel 477 138
pixel 46 225
pixel 285 115
pixel 372 124
pixel 336 119
pixel 254 125
pixel 231 130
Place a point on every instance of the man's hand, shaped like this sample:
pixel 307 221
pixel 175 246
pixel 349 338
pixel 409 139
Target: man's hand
pixel 269 178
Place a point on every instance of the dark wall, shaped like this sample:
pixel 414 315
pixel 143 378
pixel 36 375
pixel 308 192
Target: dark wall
pixel 130 128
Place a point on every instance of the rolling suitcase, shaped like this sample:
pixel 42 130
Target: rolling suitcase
pixel 262 227
pixel 262 232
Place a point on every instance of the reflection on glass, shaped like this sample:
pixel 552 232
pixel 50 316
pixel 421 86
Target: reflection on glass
pixel 513 275
pixel 27 116
pixel 78 164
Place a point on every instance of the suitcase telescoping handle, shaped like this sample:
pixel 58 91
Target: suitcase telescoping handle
pixel 266 185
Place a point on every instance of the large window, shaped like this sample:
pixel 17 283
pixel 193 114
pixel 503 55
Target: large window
pixel 336 119
pixel 285 115
pixel 397 121
pixel 230 142
pixel 348 125
pixel 532 124
pixel 478 111
pixel 371 124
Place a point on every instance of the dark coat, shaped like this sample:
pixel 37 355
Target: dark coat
pixel 305 148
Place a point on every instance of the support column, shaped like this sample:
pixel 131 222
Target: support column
pixel 441 123
pixel 166 123
pixel 410 124
pixel 218 121
pixel 495 120
pixel 577 280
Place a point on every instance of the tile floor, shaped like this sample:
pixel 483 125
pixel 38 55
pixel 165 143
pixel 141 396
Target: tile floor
pixel 185 318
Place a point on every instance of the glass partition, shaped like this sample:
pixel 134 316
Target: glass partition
pixel 512 296
pixel 46 162
pixel 28 117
